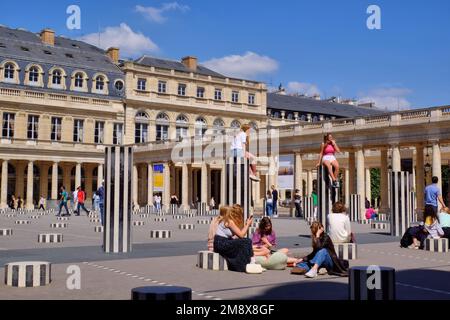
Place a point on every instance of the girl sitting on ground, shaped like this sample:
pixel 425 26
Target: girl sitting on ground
pixel 322 256
pixel 230 240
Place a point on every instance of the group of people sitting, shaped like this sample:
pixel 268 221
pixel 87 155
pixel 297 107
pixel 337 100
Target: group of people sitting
pixel 227 237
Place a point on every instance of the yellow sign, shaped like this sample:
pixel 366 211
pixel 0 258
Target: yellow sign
pixel 158 181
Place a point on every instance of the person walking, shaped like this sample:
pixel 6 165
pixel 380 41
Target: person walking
pixel 269 204
pixel 96 201
pixel 63 195
pixel 80 201
pixel 298 204
pixel 212 204
pixel 433 196
pixel 42 203
pixel 275 201
pixel 101 205
pixel 158 203
pixel 75 202
pixel 315 203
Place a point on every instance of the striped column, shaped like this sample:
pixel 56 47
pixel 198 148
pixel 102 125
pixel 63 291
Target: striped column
pixel 27 274
pixel 372 283
pixel 399 202
pixel 326 193
pixel 308 207
pixel 118 199
pixel 412 207
pixel 355 207
pixel 238 184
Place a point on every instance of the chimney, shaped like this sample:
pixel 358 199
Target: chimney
pixel 48 37
pixel 190 62
pixel 113 53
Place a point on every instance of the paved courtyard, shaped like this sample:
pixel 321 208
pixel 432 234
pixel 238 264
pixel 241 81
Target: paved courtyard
pixel 420 274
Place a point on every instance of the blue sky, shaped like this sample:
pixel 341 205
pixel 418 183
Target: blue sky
pixel 310 46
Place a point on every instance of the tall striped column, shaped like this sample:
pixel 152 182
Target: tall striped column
pixel 308 207
pixel 238 184
pixel 118 199
pixel 355 207
pixel 400 205
pixel 326 193
pixel 412 207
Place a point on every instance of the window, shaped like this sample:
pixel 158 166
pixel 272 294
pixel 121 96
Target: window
pixel 56 77
pixel 78 130
pixel 8 125
pixel 56 129
pixel 33 125
pixel 200 92
pixel 218 126
pixel 235 97
pixel 9 71
pixel 251 98
pixel 181 89
pixel 181 127
pixel 218 94
pixel 119 85
pixel 100 83
pixel 200 127
pixel 117 133
pixel 141 127
pixel 162 127
pixel 141 85
pixel 99 132
pixel 79 80
pixel 235 124
pixel 162 86
pixel 33 74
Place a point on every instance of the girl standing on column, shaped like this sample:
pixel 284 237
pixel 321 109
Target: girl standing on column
pixel 328 159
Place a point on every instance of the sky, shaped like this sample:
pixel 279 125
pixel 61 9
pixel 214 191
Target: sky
pixel 311 47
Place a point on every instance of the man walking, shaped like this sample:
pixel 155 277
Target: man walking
pixel 433 195
pixel 101 197
pixel 63 195
pixel 298 202
pixel 275 201
pixel 80 203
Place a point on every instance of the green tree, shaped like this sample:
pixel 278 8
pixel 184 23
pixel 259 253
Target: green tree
pixel 375 182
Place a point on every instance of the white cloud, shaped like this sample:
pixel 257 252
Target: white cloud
pixel 245 66
pixel 387 98
pixel 156 14
pixel 308 89
pixel 131 44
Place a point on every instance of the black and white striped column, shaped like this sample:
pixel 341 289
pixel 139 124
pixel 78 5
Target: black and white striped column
pixel 371 283
pixel 211 261
pixel 327 195
pixel 412 207
pixel 118 199
pixel 355 207
pixel 308 207
pixel 400 202
pixel 436 245
pixel 238 184
pixel 27 274
pixel 161 293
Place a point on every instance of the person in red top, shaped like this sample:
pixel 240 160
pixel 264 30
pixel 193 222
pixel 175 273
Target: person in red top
pixel 328 159
pixel 81 199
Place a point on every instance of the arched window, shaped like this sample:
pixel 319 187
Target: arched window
pixel 253 125
pixel 100 83
pixel 10 69
pixel 118 85
pixel 57 77
pixel 162 127
pixel 141 127
pixel 79 80
pixel 182 124
pixel 235 124
pixel 33 74
pixel 218 123
pixel 200 127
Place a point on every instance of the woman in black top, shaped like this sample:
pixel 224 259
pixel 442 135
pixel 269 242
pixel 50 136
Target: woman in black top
pixel 174 200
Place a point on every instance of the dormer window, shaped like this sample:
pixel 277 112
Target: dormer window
pixel 33 75
pixel 9 71
pixel 99 83
pixel 79 80
pixel 56 77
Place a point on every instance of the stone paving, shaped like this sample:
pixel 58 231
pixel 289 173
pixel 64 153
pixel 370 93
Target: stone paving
pixel 420 274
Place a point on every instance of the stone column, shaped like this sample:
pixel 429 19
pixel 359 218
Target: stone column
pixel 257 187
pixel 77 175
pixel 150 184
pixel 420 178
pixel 436 163
pixel 143 184
pixel 67 178
pixel 360 172
pixel 384 194
pixel 100 175
pixel 347 187
pixel 30 178
pixel 55 181
pixel 135 186
pixel 204 184
pixel 43 180
pixel 223 184
pixel 352 173
pixel 368 185
pixel 20 179
pixel 396 159
pixel 166 195
pixel 185 186
pixel 4 185
pixel 298 171
pixel 88 182
pixel 310 182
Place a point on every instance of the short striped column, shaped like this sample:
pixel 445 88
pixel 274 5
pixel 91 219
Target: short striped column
pixel 6 232
pixel 62 218
pixel 209 260
pixel 160 234
pixel 365 221
pixel 59 225
pixel 178 217
pixel 99 229
pixel 173 209
pixel 27 274
pixel 412 207
pixel 400 203
pixel 118 199
pixel 213 212
pixel 187 226
pixel 160 219
pixel 346 251
pixel 50 238
pixel 382 217
pixel 203 221
pixel 161 293
pixel 308 207
pixel 202 209
pixel 372 283
pixel 95 220
pixel 22 222
pixel 327 195
pixel 355 207
pixel 436 245
pixel 138 223
pixel 379 226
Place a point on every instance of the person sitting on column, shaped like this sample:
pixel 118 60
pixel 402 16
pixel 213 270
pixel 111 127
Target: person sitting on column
pixel 214 224
pixel 81 198
pixel 298 204
pixel 371 213
pixel 63 196
pixel 328 159
pixel 444 221
pixel 433 196
pixel 432 225
pixel 240 147
pixel 230 240
pixel 340 229
pixel 269 204
pixel 264 243
pixel 322 256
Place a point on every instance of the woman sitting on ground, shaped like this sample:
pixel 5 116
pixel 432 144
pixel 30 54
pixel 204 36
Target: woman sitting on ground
pixel 264 242
pixel 322 256
pixel 328 159
pixel 432 225
pixel 213 226
pixel 230 240
pixel 340 229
